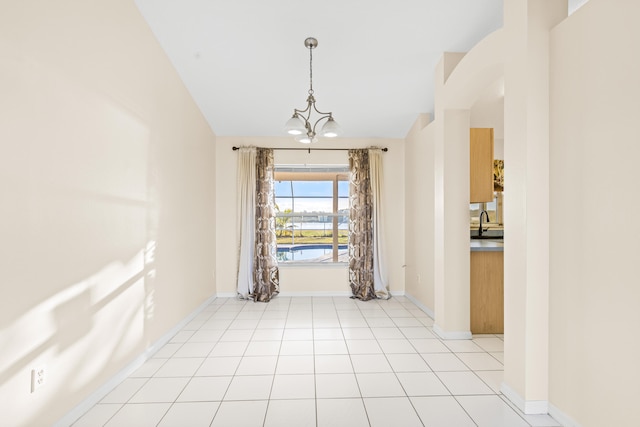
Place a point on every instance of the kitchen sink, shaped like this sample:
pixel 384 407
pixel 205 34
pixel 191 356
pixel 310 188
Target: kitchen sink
pixel 487 237
pixel 487 234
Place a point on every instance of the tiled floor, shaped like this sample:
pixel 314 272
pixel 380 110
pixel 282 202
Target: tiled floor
pixel 314 361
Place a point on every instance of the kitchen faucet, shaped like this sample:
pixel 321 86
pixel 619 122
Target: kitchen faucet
pixel 486 214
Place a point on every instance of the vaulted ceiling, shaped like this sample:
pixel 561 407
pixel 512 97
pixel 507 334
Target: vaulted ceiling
pixel 246 66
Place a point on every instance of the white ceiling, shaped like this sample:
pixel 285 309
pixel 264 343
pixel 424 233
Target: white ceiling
pixel 245 64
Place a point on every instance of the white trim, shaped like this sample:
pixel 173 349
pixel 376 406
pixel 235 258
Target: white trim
pixel 307 264
pixel 316 294
pixel 95 397
pixel 527 407
pixel 562 418
pixel 326 294
pixel 453 335
pixel 515 398
pixel 536 407
pixel 422 307
pixel 226 295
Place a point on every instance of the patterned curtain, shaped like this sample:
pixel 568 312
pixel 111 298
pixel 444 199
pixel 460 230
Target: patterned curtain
pixel 360 226
pixel 266 274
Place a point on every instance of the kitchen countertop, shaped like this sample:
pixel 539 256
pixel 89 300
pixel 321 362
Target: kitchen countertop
pixel 487 245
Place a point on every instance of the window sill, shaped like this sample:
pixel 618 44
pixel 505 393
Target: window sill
pixel 302 264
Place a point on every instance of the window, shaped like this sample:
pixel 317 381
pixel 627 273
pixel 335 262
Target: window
pixel 476 208
pixel 494 209
pixel 312 219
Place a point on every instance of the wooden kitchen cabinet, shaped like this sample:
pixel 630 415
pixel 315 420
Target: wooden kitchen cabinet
pixel 481 165
pixel 487 292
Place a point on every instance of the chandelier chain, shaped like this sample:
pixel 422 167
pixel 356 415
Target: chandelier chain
pixel 310 71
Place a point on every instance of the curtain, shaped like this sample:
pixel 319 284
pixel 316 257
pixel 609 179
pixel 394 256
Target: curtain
pixel 266 274
pixel 360 227
pixel 367 269
pixel 246 182
pixel 258 275
pixel 379 248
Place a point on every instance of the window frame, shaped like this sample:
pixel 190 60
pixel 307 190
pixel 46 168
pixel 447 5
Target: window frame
pixel 334 175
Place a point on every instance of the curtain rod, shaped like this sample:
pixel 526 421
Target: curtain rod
pixel 385 149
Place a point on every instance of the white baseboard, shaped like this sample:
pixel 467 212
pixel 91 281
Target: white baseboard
pixel 95 397
pixel 452 335
pixel 316 294
pixel 527 407
pixel 312 294
pixel 329 294
pixel 421 306
pixel 227 294
pixel 562 418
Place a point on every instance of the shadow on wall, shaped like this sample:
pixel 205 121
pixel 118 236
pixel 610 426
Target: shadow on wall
pixel 79 332
pixel 90 154
pixel 78 247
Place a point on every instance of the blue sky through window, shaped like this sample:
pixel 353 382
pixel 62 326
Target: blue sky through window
pixel 310 196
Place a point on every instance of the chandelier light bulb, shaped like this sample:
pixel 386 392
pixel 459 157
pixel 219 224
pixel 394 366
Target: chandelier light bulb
pixel 294 126
pixel 306 139
pixel 331 129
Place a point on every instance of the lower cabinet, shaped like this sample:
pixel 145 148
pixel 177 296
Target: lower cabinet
pixel 487 292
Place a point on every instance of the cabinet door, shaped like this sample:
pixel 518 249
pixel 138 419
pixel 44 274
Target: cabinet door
pixel 487 292
pixel 481 165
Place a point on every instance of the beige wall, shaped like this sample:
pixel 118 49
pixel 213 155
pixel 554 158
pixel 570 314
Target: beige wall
pixel 460 81
pixel 107 200
pixel 561 285
pixel 467 93
pixel 594 239
pixel 526 202
pixel 115 201
pixel 452 256
pixel 488 112
pixel 419 212
pixel 312 280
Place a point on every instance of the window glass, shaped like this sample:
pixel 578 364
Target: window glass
pixel 283 188
pixel 313 188
pixel 343 189
pixel 490 207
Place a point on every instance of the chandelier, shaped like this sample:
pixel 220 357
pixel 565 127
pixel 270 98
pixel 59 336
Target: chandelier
pixel 299 125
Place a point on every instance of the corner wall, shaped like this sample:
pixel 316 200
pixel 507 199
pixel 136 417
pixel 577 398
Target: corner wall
pixel 108 196
pixel 594 234
pixel 526 201
pixel 460 80
pixel 419 212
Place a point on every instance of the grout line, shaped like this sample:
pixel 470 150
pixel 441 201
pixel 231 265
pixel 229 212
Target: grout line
pixel 376 315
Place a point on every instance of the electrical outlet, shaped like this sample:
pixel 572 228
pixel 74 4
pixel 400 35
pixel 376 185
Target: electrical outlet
pixel 38 378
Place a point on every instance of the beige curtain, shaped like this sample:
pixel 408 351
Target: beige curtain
pixel 360 227
pixel 246 231
pixel 265 274
pixel 376 178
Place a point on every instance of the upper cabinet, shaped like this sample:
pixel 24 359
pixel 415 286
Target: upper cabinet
pixel 481 163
